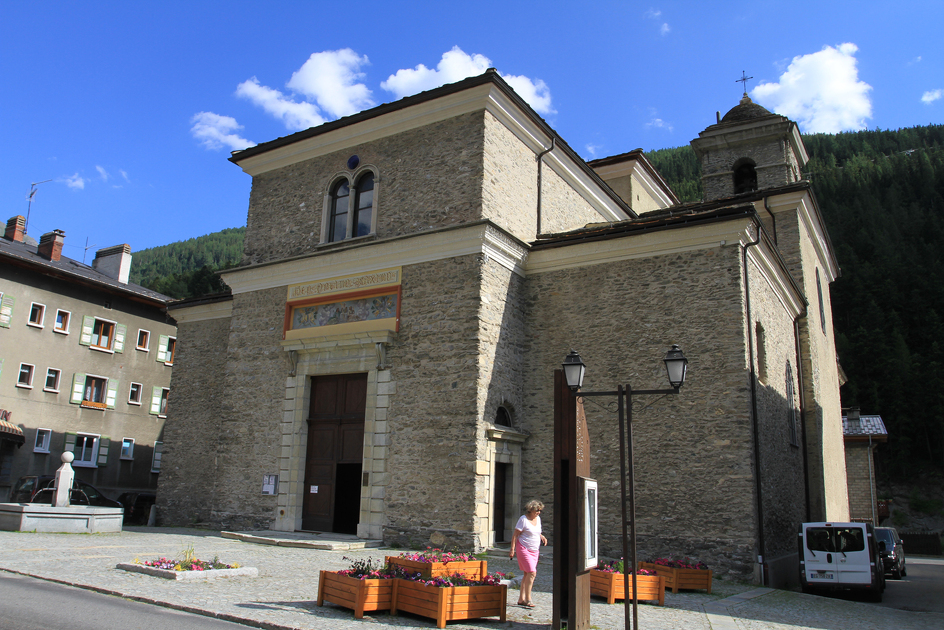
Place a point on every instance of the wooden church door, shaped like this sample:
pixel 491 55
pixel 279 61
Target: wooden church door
pixel 335 453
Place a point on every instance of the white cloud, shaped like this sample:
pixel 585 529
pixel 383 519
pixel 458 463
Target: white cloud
pixel 76 182
pixel 821 91
pixel 931 96
pixel 664 30
pixel 124 174
pixel 456 65
pixel 653 14
pixel 592 149
pixel 295 116
pixel 658 123
pixel 217 132
pixel 102 172
pixel 915 60
pixel 330 78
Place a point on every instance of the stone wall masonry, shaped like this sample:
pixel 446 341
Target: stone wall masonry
pixel 189 461
pixel 782 467
pixel 250 435
pixel 433 420
pixel 776 165
pixel 501 377
pixel 693 452
pixel 509 196
pixel 427 178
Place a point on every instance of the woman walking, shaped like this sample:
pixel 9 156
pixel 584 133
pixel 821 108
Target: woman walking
pixel 526 542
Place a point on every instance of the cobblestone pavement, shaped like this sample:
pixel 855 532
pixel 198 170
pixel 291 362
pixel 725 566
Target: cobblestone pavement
pixel 285 593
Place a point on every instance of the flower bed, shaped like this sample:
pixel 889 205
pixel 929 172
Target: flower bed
pixel 607 581
pixel 436 562
pixel 188 569
pixel 442 600
pixel 683 574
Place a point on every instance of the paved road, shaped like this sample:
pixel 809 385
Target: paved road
pixel 31 604
pixel 283 596
pixel 922 590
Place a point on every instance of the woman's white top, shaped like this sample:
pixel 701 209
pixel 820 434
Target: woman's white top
pixel 530 535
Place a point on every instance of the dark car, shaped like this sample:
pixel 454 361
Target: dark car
pixel 39 489
pixel 137 506
pixel 892 551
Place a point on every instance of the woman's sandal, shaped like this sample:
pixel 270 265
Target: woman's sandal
pixel 528 605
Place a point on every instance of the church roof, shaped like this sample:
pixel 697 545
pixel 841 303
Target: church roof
pixel 865 427
pixel 745 110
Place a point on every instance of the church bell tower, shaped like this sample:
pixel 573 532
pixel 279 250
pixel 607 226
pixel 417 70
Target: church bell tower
pixel 749 149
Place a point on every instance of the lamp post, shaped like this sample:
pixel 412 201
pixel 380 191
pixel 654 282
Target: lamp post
pixel 676 365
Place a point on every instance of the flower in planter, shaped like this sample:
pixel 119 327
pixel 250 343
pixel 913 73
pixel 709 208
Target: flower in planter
pixel 616 566
pixel 432 554
pixel 364 569
pixel 684 563
pixel 457 579
pixel 189 563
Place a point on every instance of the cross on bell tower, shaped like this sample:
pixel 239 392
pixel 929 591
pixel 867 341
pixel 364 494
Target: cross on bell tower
pixel 744 79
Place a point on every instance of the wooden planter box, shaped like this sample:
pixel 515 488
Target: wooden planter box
pixel 449 603
pixel 473 569
pixel 681 578
pixel 610 586
pixel 359 595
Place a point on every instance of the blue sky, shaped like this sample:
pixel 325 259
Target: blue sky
pixel 131 108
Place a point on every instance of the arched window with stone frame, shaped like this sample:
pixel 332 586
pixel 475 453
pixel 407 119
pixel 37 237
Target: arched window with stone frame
pixel 745 176
pixel 350 206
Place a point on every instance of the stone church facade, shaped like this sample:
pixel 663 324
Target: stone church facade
pixel 414 274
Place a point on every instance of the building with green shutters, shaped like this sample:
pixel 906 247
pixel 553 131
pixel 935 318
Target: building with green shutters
pixel 85 365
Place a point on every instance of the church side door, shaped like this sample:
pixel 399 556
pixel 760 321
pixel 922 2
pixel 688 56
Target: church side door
pixel 335 453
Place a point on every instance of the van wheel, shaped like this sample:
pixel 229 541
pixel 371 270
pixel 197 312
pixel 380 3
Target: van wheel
pixel 875 596
pixel 904 570
pixel 896 574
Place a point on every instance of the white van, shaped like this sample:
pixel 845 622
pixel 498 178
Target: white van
pixel 840 556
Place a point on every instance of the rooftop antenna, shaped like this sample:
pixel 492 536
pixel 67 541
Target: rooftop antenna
pixel 29 206
pixel 85 253
pixel 744 79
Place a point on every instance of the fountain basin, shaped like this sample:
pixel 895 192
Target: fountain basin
pixel 77 519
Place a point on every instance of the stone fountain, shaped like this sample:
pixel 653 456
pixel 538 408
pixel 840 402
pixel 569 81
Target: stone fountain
pixel 61 516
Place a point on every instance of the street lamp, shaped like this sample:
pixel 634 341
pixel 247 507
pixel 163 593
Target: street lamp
pixel 676 366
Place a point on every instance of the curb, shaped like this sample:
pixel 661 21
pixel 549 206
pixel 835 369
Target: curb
pixel 719 614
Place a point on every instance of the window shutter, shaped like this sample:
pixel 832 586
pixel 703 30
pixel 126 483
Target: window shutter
pixel 78 387
pixel 6 310
pixel 158 454
pixel 88 323
pixel 162 349
pixel 103 443
pixel 120 331
pixel 70 441
pixel 112 393
pixel 156 393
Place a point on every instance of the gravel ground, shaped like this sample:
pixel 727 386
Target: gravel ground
pixel 284 595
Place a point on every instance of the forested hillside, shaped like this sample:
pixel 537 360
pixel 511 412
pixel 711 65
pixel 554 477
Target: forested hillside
pixel 187 268
pixel 882 197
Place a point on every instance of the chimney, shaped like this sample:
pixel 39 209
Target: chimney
pixel 50 245
pixel 854 418
pixel 114 262
pixel 16 228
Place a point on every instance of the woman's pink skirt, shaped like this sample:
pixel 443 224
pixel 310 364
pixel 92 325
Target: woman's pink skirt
pixel 527 559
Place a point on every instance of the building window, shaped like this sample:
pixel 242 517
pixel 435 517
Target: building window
pixel 62 322
pixel 156 460
pixel 822 306
pixel 43 437
pixel 159 396
pixel 25 378
pixel 103 334
pixel 37 315
pixel 166 349
pixel 761 352
pixel 93 392
pixel 791 409
pixel 85 450
pixel 134 397
pixel 127 448
pixel 52 380
pixel 351 212
pixel 7 302
pixel 502 417
pixel 745 176
pixel 144 337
